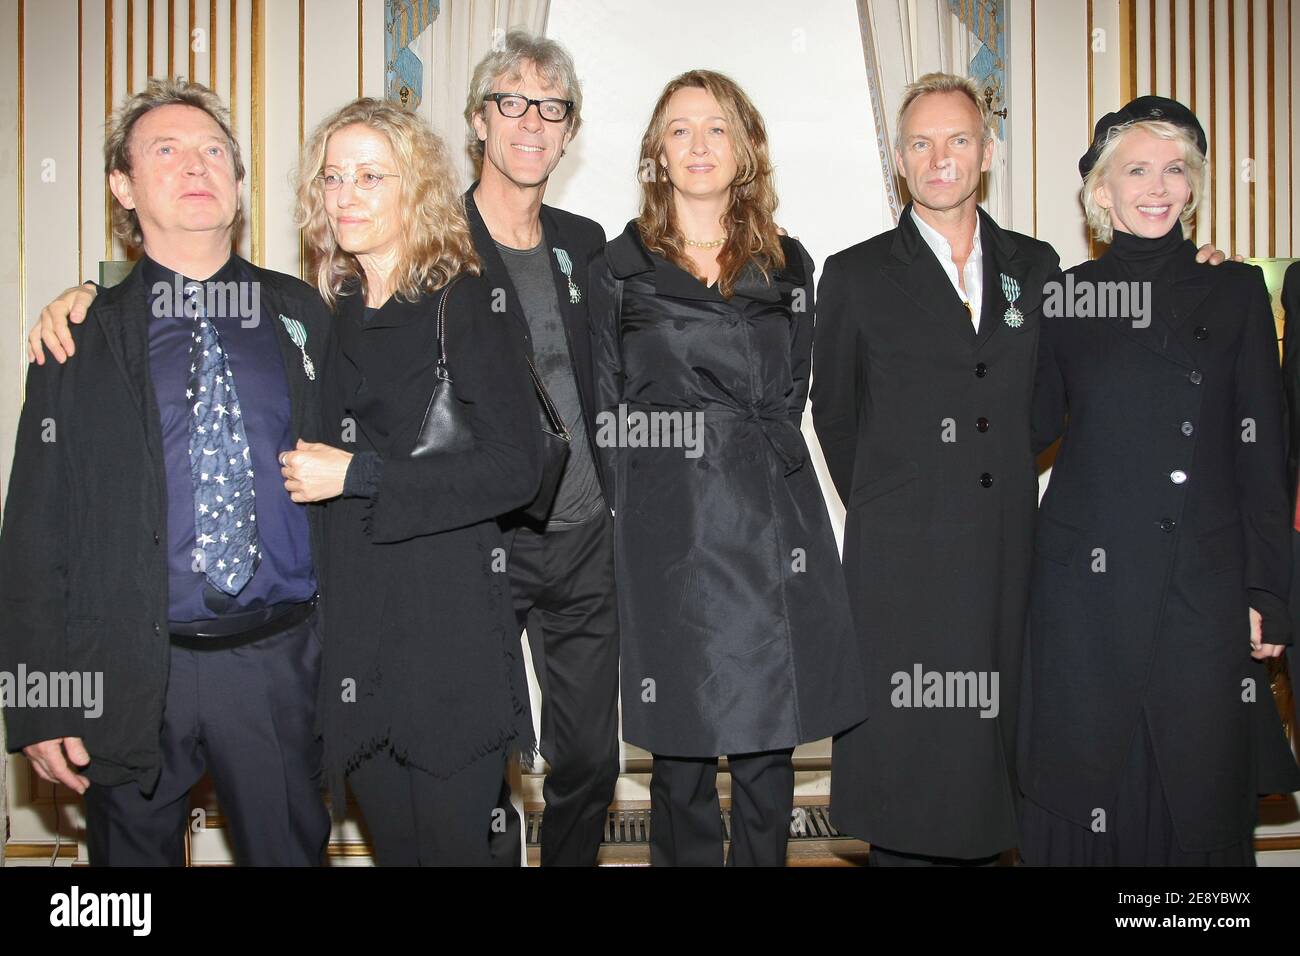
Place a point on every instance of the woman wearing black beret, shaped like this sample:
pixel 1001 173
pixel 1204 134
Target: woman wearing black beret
pixel 1162 559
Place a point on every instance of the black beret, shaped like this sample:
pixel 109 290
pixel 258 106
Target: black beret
pixel 1142 108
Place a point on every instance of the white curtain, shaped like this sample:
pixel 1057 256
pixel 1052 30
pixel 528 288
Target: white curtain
pixel 463 34
pixel 902 40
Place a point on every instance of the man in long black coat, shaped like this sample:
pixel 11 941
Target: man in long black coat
pixel 920 396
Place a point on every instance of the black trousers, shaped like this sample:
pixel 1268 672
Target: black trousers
pixel 685 816
pixel 417 819
pixel 245 714
pixel 563 584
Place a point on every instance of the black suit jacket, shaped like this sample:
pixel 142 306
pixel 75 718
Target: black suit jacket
pixel 582 239
pixel 83 558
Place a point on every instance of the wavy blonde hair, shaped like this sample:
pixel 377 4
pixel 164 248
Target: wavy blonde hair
pixel 751 229
pixel 435 237
pixel 1197 171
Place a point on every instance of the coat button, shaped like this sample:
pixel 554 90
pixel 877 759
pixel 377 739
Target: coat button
pixel 1195 377
pixel 981 370
pixel 1201 333
pixel 981 424
pixel 1167 525
pixel 1178 476
pixel 1186 429
pixel 156 628
pixel 155 537
pixel 986 480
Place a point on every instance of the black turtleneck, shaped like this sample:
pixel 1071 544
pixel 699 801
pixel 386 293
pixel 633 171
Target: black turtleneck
pixel 1142 258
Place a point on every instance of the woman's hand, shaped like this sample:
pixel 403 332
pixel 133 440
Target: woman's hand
pixel 314 472
pixel 1258 649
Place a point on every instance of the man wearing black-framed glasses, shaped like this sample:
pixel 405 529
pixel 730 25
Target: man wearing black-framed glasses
pixel 562 570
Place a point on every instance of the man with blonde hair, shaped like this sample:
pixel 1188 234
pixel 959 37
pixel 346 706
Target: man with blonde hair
pixel 148 536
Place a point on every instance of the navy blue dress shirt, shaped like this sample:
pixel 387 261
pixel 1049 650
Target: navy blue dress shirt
pixel 286 573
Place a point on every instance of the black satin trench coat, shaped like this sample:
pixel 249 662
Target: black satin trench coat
pixel 736 636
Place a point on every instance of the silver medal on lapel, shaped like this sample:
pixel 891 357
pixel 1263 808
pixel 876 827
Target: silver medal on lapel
pixel 566 266
pixel 298 333
pixel 1013 317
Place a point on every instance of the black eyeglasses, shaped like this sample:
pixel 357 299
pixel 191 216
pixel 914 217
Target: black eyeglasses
pixel 515 105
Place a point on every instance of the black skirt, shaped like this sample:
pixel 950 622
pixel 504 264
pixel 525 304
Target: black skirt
pixel 1139 833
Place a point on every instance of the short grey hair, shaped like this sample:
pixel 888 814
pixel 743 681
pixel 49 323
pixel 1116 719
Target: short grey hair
pixel 508 59
pixel 943 83
pixel 117 140
pixel 1098 216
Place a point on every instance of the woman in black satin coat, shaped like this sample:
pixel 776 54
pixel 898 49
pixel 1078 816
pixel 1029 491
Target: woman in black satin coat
pixel 1162 557
pixel 735 631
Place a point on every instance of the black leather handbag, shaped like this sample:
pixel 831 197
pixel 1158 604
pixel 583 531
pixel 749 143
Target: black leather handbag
pixel 446 425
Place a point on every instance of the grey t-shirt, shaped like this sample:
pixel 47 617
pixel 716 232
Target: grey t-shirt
pixel 578 497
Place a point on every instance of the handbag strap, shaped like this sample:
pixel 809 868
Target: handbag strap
pixel 548 406
pixel 442 321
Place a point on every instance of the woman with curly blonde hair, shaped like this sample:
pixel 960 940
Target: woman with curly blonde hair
pixel 422 692
pixel 735 630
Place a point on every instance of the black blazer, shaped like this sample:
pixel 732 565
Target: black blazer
pixel 83 562
pixel 582 239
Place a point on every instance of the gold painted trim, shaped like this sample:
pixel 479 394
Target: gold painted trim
pixel 1087 138
pixel 171 39
pixel 1272 142
pixel 189 41
pixel 1033 100
pixel 232 96
pixel 36 851
pixel 1192 51
pixel 148 32
pixel 81 219
pixel 1232 125
pixel 130 47
pixel 361 37
pixel 257 131
pixel 212 46
pixel 1173 49
pixel 22 191
pixel 1290 134
pixel 1090 73
pixel 1128 50
pixel 1214 133
pixel 1151 16
pixel 108 111
pixel 1250 117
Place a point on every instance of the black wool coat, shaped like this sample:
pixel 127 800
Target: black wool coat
pixel 925 426
pixel 83 556
pixel 422 656
pixel 1167 517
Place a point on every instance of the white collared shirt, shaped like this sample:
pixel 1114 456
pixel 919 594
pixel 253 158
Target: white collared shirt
pixel 972 274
